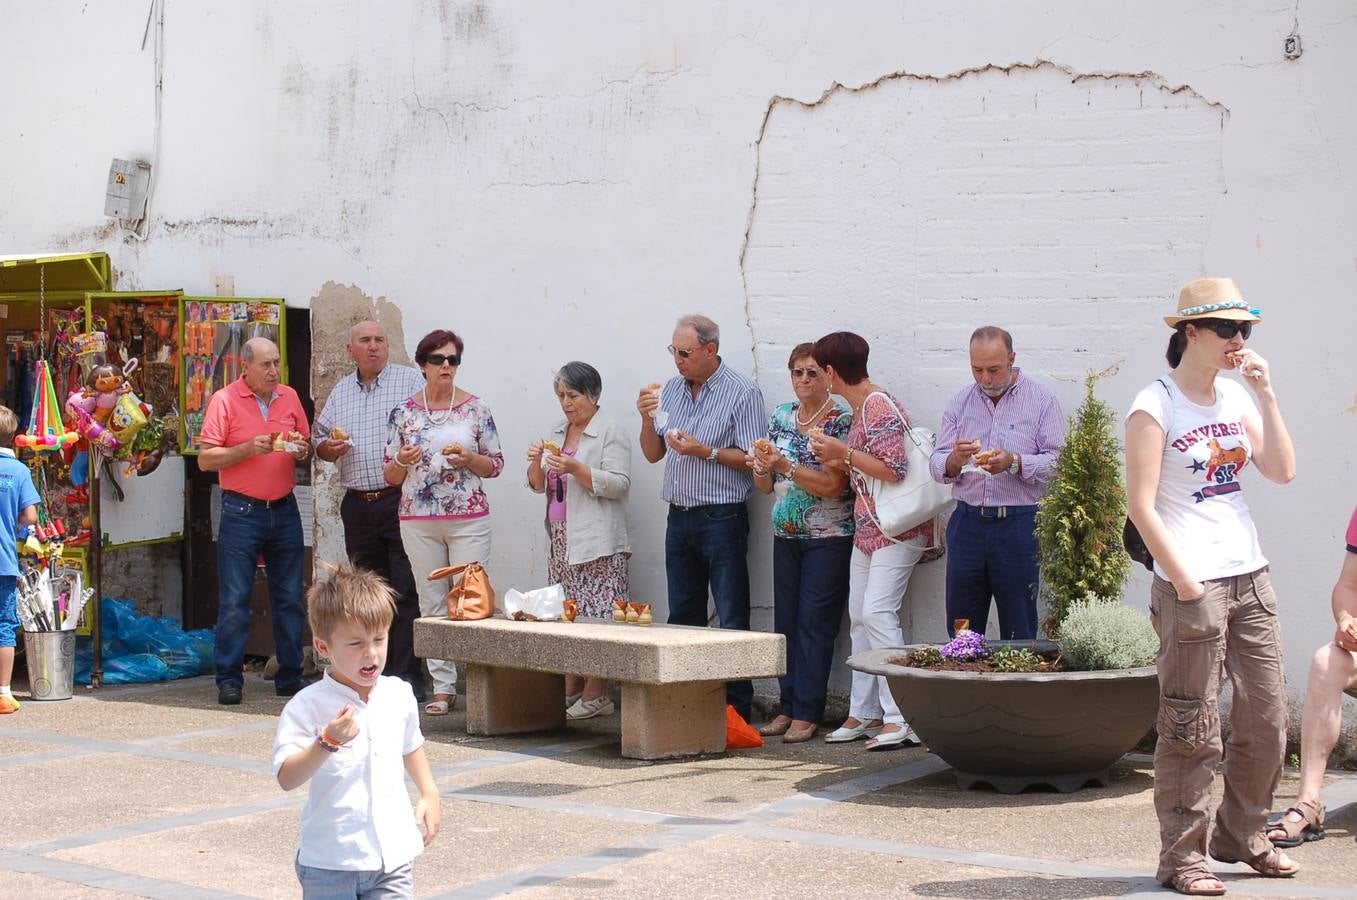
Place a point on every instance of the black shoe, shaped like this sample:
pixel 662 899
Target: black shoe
pixel 229 695
pixel 291 689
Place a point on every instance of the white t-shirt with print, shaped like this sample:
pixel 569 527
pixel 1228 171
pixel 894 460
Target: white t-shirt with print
pixel 1201 498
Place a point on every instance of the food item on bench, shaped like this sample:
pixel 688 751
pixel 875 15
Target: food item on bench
pixel 569 610
pixel 639 614
pixel 633 614
pixel 453 449
pixel 338 434
pixel 551 447
pixel 521 616
pixel 619 610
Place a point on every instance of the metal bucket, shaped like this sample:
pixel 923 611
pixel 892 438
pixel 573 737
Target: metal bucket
pixel 51 664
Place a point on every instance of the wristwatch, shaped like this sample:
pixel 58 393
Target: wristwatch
pixel 711 457
pixel 1015 466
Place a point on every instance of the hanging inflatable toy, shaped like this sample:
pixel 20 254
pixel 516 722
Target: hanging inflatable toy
pixel 46 432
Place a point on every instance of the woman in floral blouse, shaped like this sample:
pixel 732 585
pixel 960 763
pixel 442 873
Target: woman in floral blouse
pixel 813 527
pixel 881 564
pixel 440 444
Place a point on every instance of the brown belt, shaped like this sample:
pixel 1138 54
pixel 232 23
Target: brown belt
pixel 374 496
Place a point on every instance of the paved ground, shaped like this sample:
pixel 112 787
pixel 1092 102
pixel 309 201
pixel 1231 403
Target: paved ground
pixel 158 792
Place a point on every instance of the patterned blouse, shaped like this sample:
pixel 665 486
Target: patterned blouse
pixel 797 513
pixel 880 432
pixel 432 489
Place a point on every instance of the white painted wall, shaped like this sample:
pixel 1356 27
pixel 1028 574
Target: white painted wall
pixel 558 181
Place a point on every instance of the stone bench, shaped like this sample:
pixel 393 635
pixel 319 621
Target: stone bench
pixel 673 677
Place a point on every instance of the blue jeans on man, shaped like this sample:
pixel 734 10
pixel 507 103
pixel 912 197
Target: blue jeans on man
pixel 705 547
pixel 992 552
pixel 248 529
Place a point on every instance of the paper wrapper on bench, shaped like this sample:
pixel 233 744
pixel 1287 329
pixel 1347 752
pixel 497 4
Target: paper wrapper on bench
pixel 544 604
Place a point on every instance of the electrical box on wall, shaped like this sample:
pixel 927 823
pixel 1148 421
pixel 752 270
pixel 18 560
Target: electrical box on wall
pixel 128 183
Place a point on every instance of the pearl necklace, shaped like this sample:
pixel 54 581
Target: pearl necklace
pixel 815 415
pixel 447 413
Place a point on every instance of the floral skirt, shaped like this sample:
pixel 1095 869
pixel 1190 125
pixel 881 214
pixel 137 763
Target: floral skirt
pixel 595 584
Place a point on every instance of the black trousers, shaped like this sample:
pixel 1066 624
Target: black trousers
pixel 372 538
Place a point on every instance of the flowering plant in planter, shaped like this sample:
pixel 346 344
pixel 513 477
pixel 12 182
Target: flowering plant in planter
pixel 1016 713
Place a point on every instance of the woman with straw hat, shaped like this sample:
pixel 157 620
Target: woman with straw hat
pixel 1189 437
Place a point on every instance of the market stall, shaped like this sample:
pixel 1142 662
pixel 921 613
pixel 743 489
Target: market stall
pixel 129 374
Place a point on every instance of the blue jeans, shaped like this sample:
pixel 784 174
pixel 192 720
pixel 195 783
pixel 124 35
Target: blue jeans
pixel 810 591
pixel 706 546
pixel 993 557
pixel 337 884
pixel 9 611
pixel 247 530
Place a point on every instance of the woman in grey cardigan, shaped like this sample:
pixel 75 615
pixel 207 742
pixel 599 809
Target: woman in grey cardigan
pixel 584 468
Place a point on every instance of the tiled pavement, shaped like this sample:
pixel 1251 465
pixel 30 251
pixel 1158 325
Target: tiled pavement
pixel 156 791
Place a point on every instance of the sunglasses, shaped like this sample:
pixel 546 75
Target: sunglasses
pixel 805 373
pixel 681 354
pixel 1225 330
pixel 437 359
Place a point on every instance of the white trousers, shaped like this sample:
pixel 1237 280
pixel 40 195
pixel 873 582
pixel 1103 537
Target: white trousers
pixel 431 544
pixel 876 590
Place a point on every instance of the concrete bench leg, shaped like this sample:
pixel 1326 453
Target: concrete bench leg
pixel 510 701
pixel 661 721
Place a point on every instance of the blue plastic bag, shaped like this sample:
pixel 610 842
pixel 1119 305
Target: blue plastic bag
pixel 139 649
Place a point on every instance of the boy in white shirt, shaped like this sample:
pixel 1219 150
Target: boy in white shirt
pixel 348 734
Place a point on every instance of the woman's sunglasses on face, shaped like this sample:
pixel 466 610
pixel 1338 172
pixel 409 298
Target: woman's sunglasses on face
pixel 805 373
pixel 437 359
pixel 1225 329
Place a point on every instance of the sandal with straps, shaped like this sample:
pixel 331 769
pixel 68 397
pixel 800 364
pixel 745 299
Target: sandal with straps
pixel 437 707
pixel 1268 863
pixel 1309 827
pixel 1186 881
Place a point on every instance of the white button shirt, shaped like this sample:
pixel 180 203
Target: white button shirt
pixel 358 815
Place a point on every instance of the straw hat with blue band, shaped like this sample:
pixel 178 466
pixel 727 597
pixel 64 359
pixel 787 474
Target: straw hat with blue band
pixel 1212 298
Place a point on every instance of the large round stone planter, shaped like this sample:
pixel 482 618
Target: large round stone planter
pixel 1012 731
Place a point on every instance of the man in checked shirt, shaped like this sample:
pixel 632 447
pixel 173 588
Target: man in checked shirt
pixel 351 432
pixel 998 439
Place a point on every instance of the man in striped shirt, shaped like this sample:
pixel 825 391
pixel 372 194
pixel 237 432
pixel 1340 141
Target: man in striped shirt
pixel 702 424
pixel 359 407
pixel 998 440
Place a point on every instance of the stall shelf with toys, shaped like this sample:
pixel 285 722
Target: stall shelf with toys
pixel 215 330
pixel 43 307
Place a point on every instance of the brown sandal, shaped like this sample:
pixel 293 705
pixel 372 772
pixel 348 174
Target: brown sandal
pixel 1309 827
pixel 1268 863
pixel 776 727
pixel 1186 881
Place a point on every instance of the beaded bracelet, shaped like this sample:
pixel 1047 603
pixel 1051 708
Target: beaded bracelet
pixel 329 744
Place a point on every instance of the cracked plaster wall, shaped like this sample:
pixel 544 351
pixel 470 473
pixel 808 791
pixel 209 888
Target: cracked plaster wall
pixel 556 182
pixel 916 208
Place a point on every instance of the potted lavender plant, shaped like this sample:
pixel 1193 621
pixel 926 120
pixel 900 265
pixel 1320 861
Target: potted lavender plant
pixel 1060 711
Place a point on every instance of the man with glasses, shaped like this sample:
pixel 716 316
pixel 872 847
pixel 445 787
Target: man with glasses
pixel 351 432
pixel 254 435
pixel 998 440
pixel 702 423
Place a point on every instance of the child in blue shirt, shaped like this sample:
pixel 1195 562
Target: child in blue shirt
pixel 18 506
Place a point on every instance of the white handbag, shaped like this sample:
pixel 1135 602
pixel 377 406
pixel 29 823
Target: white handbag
pixel 898 506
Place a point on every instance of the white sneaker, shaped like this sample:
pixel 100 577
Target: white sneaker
pixel 601 705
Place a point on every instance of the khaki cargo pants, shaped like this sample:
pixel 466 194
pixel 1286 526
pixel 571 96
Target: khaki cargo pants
pixel 1234 626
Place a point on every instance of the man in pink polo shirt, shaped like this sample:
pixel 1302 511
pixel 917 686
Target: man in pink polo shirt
pixel 254 434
